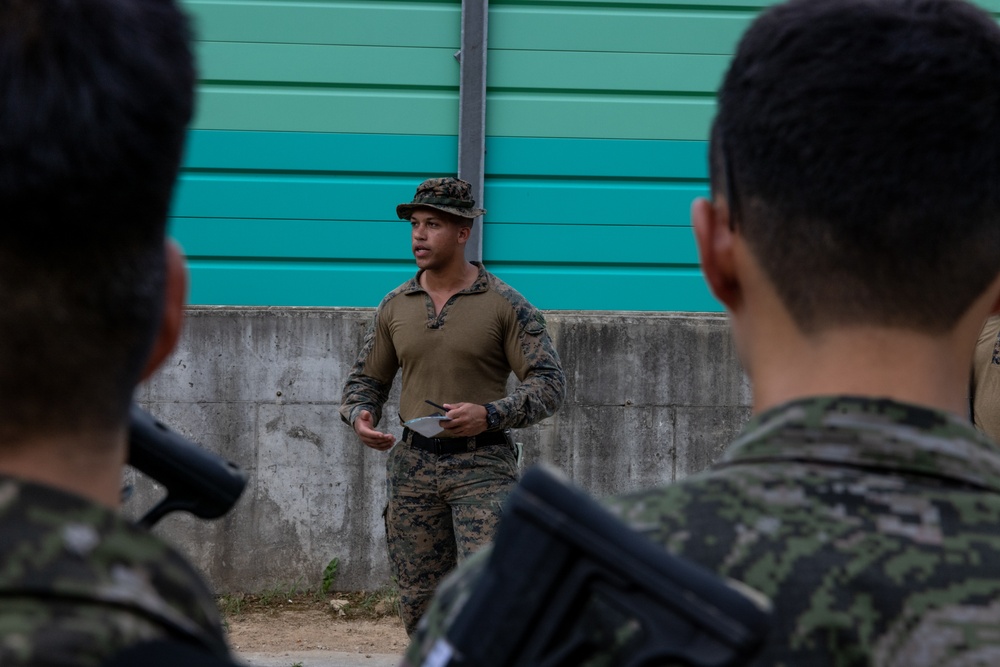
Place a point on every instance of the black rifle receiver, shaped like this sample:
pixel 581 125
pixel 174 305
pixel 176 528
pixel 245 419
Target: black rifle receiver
pixel 567 580
pixel 197 481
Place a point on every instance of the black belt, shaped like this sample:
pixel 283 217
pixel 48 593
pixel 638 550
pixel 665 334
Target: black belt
pixel 442 446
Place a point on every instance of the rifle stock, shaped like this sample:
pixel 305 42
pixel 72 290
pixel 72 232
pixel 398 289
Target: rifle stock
pixel 567 580
pixel 197 480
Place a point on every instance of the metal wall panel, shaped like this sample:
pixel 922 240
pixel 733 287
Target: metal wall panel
pixel 299 219
pixel 316 117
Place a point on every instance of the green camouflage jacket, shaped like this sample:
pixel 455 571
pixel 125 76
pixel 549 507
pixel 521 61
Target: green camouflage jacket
pixel 873 526
pixel 78 583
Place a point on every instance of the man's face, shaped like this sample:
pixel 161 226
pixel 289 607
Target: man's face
pixel 436 238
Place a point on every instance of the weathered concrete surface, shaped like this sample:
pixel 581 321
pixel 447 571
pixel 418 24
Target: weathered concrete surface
pixel 651 398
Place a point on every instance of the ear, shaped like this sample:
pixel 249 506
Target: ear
pixel 175 295
pixel 715 241
pixel 464 231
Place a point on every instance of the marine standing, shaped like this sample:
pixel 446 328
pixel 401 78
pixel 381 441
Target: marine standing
pixel 457 332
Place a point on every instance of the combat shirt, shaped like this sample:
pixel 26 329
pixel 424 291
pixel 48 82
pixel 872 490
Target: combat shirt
pixel 873 526
pixel 464 354
pixel 78 583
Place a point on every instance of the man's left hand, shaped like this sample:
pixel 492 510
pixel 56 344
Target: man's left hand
pixel 465 419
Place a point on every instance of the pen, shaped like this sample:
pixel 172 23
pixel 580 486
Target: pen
pixel 439 407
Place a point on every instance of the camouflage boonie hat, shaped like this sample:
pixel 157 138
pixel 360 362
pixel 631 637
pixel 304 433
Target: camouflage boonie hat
pixel 451 195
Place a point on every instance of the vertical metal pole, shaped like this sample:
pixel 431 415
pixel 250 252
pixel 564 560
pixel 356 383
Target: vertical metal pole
pixel 472 111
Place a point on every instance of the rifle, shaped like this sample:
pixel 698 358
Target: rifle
pixel 197 480
pixel 566 580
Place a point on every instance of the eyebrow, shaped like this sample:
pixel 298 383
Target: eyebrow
pixel 432 217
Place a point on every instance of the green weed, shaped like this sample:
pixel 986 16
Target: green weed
pixel 378 603
pixel 279 593
pixel 231 604
pixel 329 575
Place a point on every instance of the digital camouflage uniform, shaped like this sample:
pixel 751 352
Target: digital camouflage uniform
pixel 443 507
pixel 78 583
pixel 873 526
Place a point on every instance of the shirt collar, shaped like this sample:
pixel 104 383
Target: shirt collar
pixel 481 283
pixel 871 433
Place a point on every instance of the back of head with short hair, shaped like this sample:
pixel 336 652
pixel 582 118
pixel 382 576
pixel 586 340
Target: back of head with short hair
pixel 95 96
pixel 862 142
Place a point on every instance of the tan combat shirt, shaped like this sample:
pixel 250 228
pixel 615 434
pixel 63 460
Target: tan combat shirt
pixel 464 354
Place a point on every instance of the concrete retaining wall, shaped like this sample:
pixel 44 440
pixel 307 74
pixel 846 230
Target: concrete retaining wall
pixel 652 397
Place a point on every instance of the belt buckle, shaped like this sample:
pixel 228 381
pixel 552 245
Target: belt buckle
pixel 470 443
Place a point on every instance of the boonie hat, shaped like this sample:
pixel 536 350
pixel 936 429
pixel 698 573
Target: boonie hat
pixel 451 195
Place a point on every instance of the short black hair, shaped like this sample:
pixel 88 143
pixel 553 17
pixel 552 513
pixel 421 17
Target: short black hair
pixel 461 220
pixel 858 142
pixel 95 97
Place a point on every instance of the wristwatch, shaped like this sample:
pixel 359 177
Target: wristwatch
pixel 492 418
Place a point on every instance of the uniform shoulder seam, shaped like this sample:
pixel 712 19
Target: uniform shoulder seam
pixel 523 310
pixel 393 294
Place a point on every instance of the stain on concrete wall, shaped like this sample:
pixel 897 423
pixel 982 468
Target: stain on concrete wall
pixel 651 398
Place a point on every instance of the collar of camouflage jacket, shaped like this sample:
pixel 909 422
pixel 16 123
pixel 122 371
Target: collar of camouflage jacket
pixel 873 433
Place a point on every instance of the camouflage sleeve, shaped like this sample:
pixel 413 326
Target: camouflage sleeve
pixel 368 385
pixel 536 364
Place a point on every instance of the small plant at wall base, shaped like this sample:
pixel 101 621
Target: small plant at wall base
pixel 329 575
pixel 231 604
pixel 280 593
pixel 376 604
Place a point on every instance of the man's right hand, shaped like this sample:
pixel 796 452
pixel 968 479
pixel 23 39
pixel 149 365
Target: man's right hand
pixel 364 427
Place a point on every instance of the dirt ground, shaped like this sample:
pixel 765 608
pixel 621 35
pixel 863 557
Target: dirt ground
pixel 352 623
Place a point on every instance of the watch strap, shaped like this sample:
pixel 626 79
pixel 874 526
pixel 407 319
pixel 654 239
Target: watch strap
pixel 492 416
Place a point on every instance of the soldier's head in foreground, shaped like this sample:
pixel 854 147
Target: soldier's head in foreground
pixel 95 96
pixel 855 166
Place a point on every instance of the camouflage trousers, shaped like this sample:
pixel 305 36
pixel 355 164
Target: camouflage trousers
pixel 441 509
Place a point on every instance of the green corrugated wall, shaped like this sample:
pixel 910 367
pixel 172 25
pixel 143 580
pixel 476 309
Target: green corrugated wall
pixel 315 118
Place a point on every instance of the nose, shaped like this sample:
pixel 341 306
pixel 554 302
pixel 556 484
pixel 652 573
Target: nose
pixel 418 230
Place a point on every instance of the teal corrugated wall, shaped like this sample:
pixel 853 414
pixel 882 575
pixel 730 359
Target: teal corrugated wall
pixel 316 117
